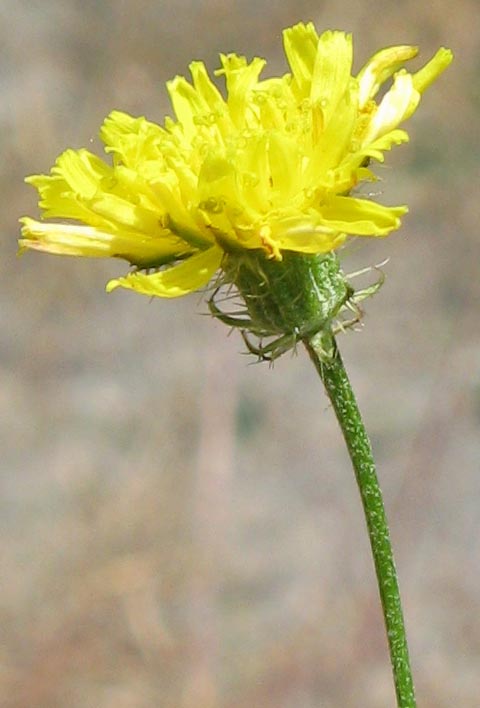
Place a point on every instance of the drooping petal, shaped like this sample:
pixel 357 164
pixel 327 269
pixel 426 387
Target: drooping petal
pixel 175 281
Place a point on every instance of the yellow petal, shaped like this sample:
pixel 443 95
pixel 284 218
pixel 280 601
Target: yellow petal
pixel 184 101
pixel 361 216
pixel 134 141
pixel 331 72
pixel 304 235
pixel 90 242
pixel 397 104
pixel 380 145
pixel 241 78
pixel 432 70
pixel 211 97
pixel 175 281
pixel 334 144
pixel 301 43
pixel 82 171
pixel 380 67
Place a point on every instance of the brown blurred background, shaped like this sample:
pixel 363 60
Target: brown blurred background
pixel 180 529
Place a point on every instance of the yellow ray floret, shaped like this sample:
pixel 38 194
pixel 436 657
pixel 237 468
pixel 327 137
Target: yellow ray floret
pixel 271 166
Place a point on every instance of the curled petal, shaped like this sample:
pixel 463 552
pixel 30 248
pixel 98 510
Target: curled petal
pixel 381 67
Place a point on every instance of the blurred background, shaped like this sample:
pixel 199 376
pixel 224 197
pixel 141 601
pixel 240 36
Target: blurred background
pixel 179 528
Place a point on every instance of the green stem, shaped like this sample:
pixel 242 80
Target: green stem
pixel 330 367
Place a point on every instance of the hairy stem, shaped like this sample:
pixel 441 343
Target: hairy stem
pixel 332 372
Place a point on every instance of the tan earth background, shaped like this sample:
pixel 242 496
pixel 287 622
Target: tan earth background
pixel 180 529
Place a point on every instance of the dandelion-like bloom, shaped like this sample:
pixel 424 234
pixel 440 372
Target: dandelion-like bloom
pixel 270 168
pixel 255 187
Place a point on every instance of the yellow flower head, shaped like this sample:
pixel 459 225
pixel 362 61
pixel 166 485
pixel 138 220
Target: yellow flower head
pixel 270 168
